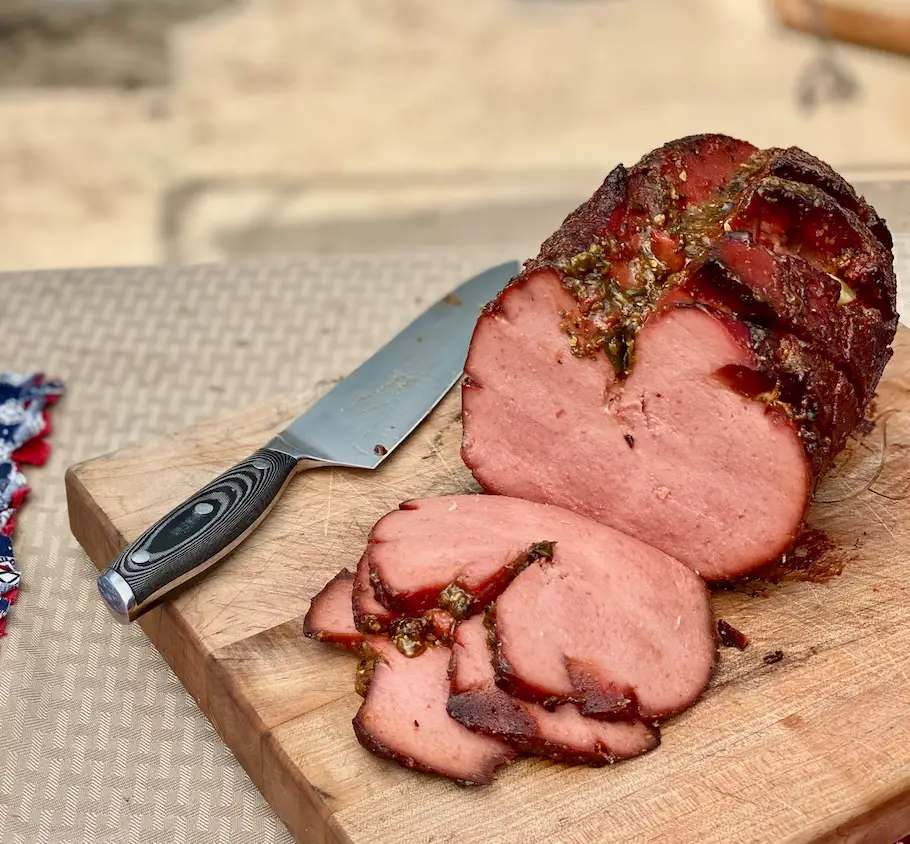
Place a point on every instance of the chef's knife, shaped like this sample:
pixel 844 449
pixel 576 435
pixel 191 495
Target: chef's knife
pixel 357 424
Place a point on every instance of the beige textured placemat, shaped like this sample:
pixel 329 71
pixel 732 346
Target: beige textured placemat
pixel 100 743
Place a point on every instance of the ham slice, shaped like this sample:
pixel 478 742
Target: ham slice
pixel 609 623
pixel 329 618
pixel 563 734
pixel 403 717
pixel 688 353
pixel 369 615
pixel 455 552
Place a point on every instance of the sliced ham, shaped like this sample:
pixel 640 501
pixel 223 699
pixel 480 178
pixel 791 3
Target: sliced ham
pixel 653 398
pixel 403 717
pixel 772 289
pixel 689 353
pixel 456 552
pixel 796 165
pixel 369 615
pixel 610 624
pixel 330 619
pixel 562 734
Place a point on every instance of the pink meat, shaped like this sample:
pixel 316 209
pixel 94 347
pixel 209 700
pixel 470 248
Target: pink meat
pixel 369 615
pixel 610 623
pixel 644 455
pixel 457 552
pixel 403 717
pixel 329 618
pixel 562 734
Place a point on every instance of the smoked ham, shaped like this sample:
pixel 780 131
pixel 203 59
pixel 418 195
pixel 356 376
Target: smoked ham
pixel 454 552
pixel 652 401
pixel 688 353
pixel 609 623
pixel 618 626
pixel 636 643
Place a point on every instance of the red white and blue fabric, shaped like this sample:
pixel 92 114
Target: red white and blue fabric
pixel 24 427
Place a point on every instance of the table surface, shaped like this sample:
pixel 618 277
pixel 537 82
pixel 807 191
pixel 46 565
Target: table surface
pixel 101 743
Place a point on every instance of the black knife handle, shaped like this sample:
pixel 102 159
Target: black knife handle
pixel 196 534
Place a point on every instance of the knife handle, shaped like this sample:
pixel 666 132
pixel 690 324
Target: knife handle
pixel 196 534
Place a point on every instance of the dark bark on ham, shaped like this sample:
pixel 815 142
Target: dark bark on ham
pixel 770 289
pixel 687 355
pixel 796 165
pixel 403 717
pixel 803 220
pixel 562 734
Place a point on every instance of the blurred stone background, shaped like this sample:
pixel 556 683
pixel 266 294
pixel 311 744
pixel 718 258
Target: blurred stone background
pixel 141 131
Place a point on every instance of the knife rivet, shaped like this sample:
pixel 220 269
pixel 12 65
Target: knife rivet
pixel 259 463
pixel 140 557
pixel 203 509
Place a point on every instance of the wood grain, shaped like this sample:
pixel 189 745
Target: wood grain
pixel 813 748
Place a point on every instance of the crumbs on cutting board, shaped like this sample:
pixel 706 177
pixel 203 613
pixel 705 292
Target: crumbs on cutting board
pixel 730 637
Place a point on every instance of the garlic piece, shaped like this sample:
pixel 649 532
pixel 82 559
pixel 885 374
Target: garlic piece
pixel 847 294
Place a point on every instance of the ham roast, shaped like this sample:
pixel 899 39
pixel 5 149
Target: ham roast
pixel 688 353
pixel 454 552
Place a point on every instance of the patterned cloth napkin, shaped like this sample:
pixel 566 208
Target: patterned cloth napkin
pixel 24 427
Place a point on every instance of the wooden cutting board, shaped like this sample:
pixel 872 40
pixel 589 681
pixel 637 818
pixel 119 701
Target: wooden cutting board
pixel 813 747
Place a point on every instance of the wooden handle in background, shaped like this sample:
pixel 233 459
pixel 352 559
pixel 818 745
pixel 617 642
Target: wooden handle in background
pixel 879 30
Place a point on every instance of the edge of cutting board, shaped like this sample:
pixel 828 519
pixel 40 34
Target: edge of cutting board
pixel 214 690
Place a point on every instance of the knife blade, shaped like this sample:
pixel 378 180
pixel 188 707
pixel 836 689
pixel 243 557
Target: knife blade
pixel 358 424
